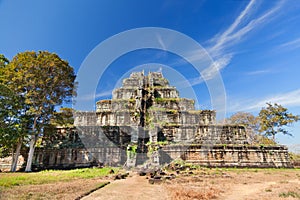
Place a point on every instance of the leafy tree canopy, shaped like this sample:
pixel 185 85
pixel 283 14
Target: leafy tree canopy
pixel 43 80
pixel 274 118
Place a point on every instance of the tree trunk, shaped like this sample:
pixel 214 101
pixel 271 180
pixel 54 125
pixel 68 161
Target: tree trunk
pixel 33 140
pixel 16 156
pixel 30 154
pixel 12 157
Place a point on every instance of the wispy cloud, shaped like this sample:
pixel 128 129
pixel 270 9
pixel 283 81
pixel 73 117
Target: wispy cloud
pixel 219 45
pixel 103 94
pixel 291 44
pixel 221 40
pixel 258 72
pixel 207 73
pixel 286 99
pixel 216 66
pixel 161 42
pixel 240 27
pixel 94 96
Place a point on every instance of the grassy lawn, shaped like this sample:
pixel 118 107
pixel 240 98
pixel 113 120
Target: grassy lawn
pixel 53 184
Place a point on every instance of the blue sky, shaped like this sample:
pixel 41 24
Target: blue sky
pixel 255 45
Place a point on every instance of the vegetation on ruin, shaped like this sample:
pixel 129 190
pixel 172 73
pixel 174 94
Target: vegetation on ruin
pixel 155 146
pixel 119 100
pixel 156 87
pixel 162 100
pixel 153 108
pixel 172 111
pixel 195 111
pixel 131 150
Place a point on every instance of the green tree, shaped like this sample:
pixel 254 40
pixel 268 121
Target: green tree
pixel 43 80
pixel 3 60
pixel 13 121
pixel 274 118
pixel 64 118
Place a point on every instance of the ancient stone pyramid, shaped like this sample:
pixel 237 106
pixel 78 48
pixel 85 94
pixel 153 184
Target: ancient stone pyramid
pixel 150 103
pixel 147 111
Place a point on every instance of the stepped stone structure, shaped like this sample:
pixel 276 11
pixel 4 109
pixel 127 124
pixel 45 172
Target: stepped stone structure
pixel 147 110
pixel 151 103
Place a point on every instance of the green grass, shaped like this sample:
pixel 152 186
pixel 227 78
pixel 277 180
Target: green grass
pixel 50 176
pixel 290 194
pixel 265 170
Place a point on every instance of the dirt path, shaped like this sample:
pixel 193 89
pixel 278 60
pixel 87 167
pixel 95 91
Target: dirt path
pixel 131 188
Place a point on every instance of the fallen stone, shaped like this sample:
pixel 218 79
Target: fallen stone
pixel 118 177
pixel 142 173
pixel 157 177
pixel 155 181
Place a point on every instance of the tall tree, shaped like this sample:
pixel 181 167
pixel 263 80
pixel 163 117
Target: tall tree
pixel 44 80
pixel 12 121
pixel 274 118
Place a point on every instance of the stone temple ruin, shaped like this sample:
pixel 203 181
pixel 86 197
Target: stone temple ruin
pixel 147 117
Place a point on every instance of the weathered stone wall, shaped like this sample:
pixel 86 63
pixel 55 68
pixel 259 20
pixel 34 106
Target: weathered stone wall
pixel 119 118
pixel 205 134
pixel 230 155
pixel 125 93
pixel 166 92
pixel 203 155
pixel 180 104
pixel 75 158
pixel 85 118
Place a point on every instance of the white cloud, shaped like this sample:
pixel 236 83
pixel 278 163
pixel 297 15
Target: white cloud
pixel 220 44
pixel 216 66
pixel 258 72
pixel 291 44
pixel 290 99
pixel 221 40
pixel 103 94
pixel 208 73
pixel 161 42
pixel 94 96
pixel 236 32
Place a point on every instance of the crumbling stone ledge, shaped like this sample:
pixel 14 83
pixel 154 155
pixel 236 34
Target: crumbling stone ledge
pixel 231 155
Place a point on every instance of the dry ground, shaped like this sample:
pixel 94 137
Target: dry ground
pixel 244 184
pixel 60 190
pixel 237 184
